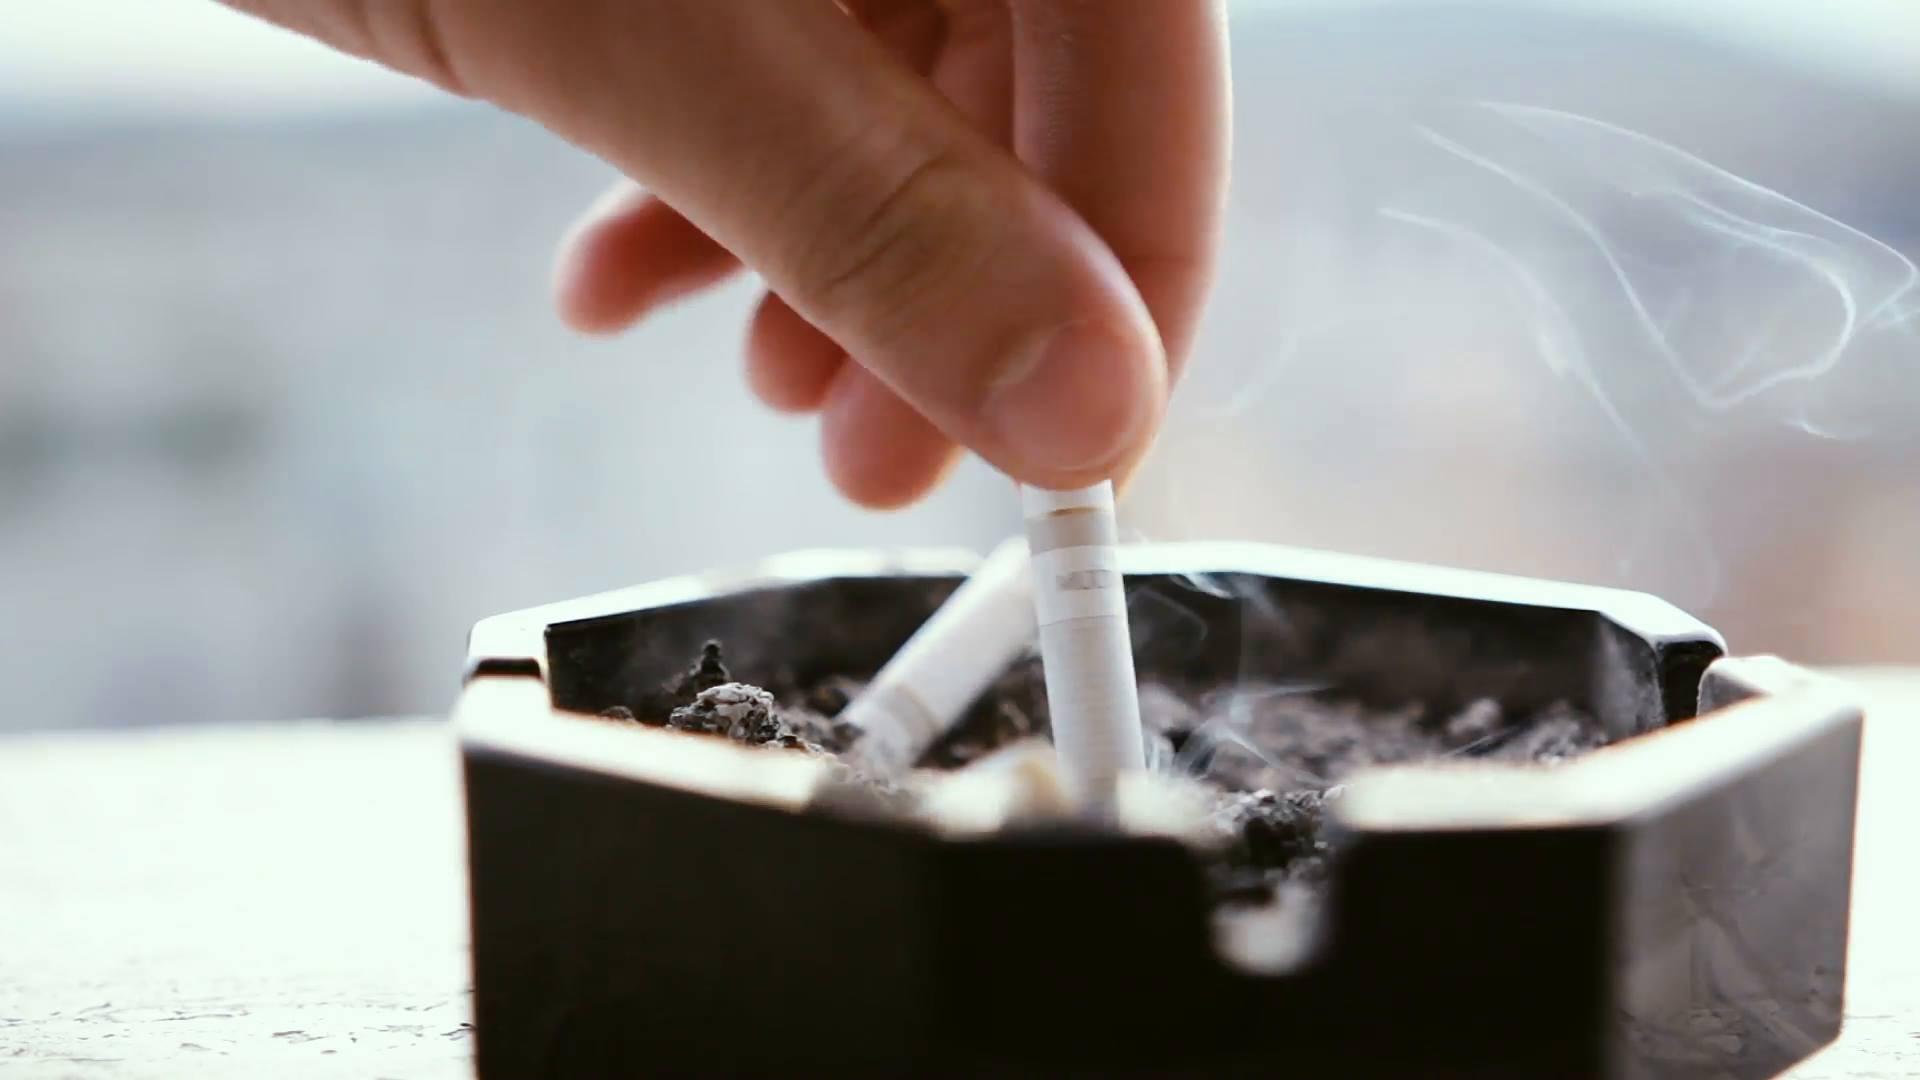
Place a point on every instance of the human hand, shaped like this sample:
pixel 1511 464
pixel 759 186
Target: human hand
pixel 1004 211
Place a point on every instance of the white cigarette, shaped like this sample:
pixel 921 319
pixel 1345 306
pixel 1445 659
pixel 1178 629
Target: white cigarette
pixel 1081 604
pixel 947 664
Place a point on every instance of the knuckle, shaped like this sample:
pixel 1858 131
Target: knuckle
pixel 890 245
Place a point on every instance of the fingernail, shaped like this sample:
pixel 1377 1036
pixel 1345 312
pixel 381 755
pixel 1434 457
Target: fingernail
pixel 1076 399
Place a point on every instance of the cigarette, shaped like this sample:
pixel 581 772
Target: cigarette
pixel 1086 652
pixel 946 665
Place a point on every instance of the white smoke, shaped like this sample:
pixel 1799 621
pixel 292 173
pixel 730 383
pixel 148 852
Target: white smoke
pixel 1681 311
pixel 1710 284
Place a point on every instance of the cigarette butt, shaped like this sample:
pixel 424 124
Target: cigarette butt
pixel 1080 605
pixel 946 665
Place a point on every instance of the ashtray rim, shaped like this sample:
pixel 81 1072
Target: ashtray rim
pixel 1423 796
pixel 514 642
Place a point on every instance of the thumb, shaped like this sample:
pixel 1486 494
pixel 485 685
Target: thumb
pixel 866 202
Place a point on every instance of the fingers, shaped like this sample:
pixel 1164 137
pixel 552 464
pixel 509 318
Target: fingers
pixel 793 138
pixel 963 47
pixel 1124 110
pixel 913 29
pixel 628 254
pixel 946 271
pixel 877 455
pixel 879 451
pixel 790 365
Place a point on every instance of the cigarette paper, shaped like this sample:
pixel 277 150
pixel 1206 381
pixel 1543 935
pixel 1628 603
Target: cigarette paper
pixel 923 691
pixel 1081 606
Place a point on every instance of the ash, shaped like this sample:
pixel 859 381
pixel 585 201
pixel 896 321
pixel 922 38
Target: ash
pixel 706 700
pixel 1275 755
pixel 1275 839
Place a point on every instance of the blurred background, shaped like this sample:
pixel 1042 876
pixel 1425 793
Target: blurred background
pixel 1606 290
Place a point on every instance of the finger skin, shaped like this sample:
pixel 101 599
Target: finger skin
pixel 878 450
pixel 865 200
pixel 1125 110
pixel 790 365
pixel 628 255
pixel 964 48
pixel 614 269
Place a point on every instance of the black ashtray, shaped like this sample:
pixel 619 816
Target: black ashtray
pixel 651 902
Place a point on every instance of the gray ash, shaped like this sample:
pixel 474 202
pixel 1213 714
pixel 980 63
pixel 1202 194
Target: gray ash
pixel 705 699
pixel 1555 734
pixel 655 705
pixel 1275 753
pixel 830 695
pixel 738 711
pixel 1479 724
pixel 706 672
pixel 1014 707
pixel 750 715
pixel 1277 838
